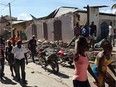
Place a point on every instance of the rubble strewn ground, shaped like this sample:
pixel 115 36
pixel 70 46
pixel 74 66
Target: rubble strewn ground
pixel 38 77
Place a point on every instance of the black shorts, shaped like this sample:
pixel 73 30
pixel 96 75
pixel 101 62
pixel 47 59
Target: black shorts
pixel 77 83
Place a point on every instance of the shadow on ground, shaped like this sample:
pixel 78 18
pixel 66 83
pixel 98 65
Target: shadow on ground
pixel 8 81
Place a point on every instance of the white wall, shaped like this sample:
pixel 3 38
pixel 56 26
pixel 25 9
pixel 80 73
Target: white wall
pixel 67 27
pixel 28 31
pixel 50 29
pixel 94 16
pixel 39 25
pixel 83 18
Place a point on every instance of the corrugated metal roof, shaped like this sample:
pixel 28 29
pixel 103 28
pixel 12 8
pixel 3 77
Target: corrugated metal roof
pixel 63 10
pixel 60 11
pixel 20 21
pixel 97 6
pixel 16 22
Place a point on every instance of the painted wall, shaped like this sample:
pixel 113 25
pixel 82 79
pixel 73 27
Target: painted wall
pixel 98 20
pixel 94 16
pixel 67 28
pixel 2 27
pixel 67 25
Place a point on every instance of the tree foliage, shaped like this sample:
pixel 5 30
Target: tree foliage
pixel 114 6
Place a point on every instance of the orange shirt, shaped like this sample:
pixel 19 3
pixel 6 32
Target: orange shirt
pixel 81 66
pixel 17 38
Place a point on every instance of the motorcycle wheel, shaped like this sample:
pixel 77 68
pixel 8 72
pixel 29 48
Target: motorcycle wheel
pixel 42 61
pixel 55 67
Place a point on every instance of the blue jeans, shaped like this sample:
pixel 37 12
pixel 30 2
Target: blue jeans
pixel 1 68
pixel 33 52
pixel 111 39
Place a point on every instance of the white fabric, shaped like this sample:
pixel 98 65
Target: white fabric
pixel 19 52
pixel 111 31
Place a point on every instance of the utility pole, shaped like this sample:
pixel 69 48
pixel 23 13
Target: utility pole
pixel 88 15
pixel 10 19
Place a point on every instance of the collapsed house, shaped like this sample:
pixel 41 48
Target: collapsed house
pixel 60 23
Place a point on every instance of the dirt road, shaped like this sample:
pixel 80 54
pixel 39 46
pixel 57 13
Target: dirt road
pixel 38 77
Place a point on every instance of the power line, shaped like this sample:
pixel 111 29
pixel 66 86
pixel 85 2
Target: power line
pixel 6 5
pixel 3 4
pixel 12 1
pixel 3 9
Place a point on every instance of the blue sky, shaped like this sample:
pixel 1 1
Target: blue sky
pixel 39 8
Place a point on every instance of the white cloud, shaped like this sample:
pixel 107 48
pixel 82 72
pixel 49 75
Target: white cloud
pixel 113 11
pixel 24 16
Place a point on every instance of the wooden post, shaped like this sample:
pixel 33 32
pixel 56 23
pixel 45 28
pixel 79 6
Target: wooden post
pixel 88 15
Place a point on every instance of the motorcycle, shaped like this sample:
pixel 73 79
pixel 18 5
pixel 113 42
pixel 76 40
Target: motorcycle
pixel 65 56
pixel 48 58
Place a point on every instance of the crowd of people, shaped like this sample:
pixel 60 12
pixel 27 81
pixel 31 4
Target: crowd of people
pixel 102 61
pixel 99 70
pixel 15 53
pixel 90 33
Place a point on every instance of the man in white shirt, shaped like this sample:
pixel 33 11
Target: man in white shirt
pixel 111 34
pixel 20 55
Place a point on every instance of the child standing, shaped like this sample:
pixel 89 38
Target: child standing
pixel 100 67
pixel 10 57
pixel 81 64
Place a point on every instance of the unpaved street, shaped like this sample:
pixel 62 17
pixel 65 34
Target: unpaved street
pixel 38 77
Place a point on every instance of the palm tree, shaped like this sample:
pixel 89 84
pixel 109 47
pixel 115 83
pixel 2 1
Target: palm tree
pixel 114 6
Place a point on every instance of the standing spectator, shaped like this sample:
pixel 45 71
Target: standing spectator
pixel 81 64
pixel 85 32
pixel 17 38
pixel 102 61
pixel 111 34
pixel 2 47
pixel 19 52
pixel 10 57
pixel 93 29
pixel 32 47
pixel 77 30
pixel 93 32
pixel 13 40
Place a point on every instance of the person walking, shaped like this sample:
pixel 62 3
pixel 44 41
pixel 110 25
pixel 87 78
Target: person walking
pixel 93 31
pixel 81 64
pixel 20 56
pixel 85 32
pixel 111 34
pixel 32 44
pixel 102 61
pixel 2 48
pixel 77 30
pixel 10 56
